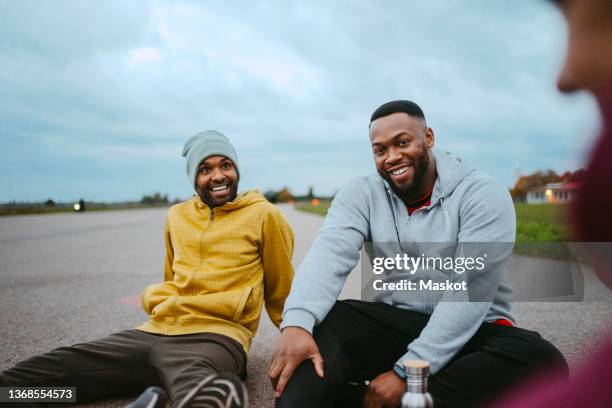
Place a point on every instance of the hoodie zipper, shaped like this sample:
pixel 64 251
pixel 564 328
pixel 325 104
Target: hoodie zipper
pixel 428 301
pixel 202 250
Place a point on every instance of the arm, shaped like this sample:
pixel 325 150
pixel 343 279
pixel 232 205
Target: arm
pixel 332 256
pixel 486 215
pixel 334 253
pixel 168 273
pixel 277 250
pixel 146 297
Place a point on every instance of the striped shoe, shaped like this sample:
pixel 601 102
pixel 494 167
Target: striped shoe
pixel 217 391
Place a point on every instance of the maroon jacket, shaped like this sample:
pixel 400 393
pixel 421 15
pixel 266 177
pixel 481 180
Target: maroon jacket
pixel 594 202
pixel 591 386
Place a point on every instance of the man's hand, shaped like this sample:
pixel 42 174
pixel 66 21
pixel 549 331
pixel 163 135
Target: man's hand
pixel 294 346
pixel 385 391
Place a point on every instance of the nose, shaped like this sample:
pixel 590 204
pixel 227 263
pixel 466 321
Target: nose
pixel 566 82
pixel 218 176
pixel 393 156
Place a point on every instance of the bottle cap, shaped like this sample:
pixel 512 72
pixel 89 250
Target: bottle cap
pixel 418 367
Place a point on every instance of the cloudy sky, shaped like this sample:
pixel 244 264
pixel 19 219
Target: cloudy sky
pixel 97 98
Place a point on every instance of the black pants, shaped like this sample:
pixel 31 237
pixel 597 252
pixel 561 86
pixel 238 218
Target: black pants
pixel 127 362
pixel 360 340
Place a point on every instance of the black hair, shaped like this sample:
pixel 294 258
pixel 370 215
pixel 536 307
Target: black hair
pixel 400 106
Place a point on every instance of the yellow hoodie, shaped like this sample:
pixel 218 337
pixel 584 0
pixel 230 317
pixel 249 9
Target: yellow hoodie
pixel 220 266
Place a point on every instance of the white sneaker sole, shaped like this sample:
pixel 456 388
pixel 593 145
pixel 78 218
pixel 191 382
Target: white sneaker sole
pixel 225 394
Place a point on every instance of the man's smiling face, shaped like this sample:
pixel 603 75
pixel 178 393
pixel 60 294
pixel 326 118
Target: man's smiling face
pixel 401 146
pixel 217 181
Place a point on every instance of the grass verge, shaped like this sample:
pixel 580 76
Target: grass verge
pixel 544 225
pixel 19 209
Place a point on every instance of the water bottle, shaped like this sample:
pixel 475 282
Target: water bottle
pixel 416 395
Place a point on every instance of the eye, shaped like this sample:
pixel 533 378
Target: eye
pixel 378 151
pixel 204 170
pixel 404 142
pixel 227 166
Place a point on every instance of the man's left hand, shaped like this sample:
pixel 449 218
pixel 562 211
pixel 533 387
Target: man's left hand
pixel 385 391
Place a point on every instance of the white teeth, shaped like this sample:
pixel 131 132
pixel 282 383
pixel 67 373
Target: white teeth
pixel 399 171
pixel 219 188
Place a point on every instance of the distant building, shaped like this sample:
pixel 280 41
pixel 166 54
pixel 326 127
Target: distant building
pixel 552 193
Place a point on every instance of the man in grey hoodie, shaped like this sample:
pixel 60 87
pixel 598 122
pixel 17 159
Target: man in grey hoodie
pixel 419 195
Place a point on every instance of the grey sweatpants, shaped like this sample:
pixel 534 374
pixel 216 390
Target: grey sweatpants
pixel 127 362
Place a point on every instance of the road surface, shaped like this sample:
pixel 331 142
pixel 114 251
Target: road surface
pixel 67 278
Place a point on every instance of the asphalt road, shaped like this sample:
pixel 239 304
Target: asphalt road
pixel 67 278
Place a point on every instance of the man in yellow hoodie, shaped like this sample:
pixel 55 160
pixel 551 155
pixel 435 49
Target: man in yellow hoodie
pixel 226 254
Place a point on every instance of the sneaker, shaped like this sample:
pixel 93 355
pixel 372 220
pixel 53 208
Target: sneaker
pixel 217 391
pixel 152 397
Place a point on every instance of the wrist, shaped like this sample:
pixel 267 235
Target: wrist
pixel 400 372
pixel 294 329
pixel 298 318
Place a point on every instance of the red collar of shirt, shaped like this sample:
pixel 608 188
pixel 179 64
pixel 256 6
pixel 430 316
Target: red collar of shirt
pixel 424 201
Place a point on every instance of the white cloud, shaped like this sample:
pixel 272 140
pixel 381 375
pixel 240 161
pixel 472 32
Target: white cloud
pixel 287 82
pixel 145 54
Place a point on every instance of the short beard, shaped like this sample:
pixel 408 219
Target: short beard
pixel 420 169
pixel 211 203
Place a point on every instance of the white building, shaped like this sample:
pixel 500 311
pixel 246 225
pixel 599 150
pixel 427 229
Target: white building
pixel 552 193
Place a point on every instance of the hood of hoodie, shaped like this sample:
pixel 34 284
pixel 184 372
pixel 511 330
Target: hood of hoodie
pixel 450 171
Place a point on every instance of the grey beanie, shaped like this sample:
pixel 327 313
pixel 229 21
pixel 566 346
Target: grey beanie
pixel 203 145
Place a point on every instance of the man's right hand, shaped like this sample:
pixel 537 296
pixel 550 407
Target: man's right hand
pixel 294 346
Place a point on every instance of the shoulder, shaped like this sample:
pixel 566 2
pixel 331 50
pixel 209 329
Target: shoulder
pixel 273 220
pixel 263 210
pixel 254 202
pixel 486 210
pixel 481 187
pixel 361 189
pixel 268 210
pixel 182 206
pixel 181 209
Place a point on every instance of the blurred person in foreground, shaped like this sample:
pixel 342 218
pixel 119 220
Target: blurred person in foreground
pixel 588 66
pixel 226 254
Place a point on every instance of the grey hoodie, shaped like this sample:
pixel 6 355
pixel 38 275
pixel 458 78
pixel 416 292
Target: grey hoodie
pixel 466 206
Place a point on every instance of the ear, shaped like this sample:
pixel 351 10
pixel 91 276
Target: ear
pixel 430 139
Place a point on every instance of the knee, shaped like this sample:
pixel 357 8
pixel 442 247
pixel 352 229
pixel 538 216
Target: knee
pixel 285 401
pixel 301 387
pixel 544 354
pixel 306 389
